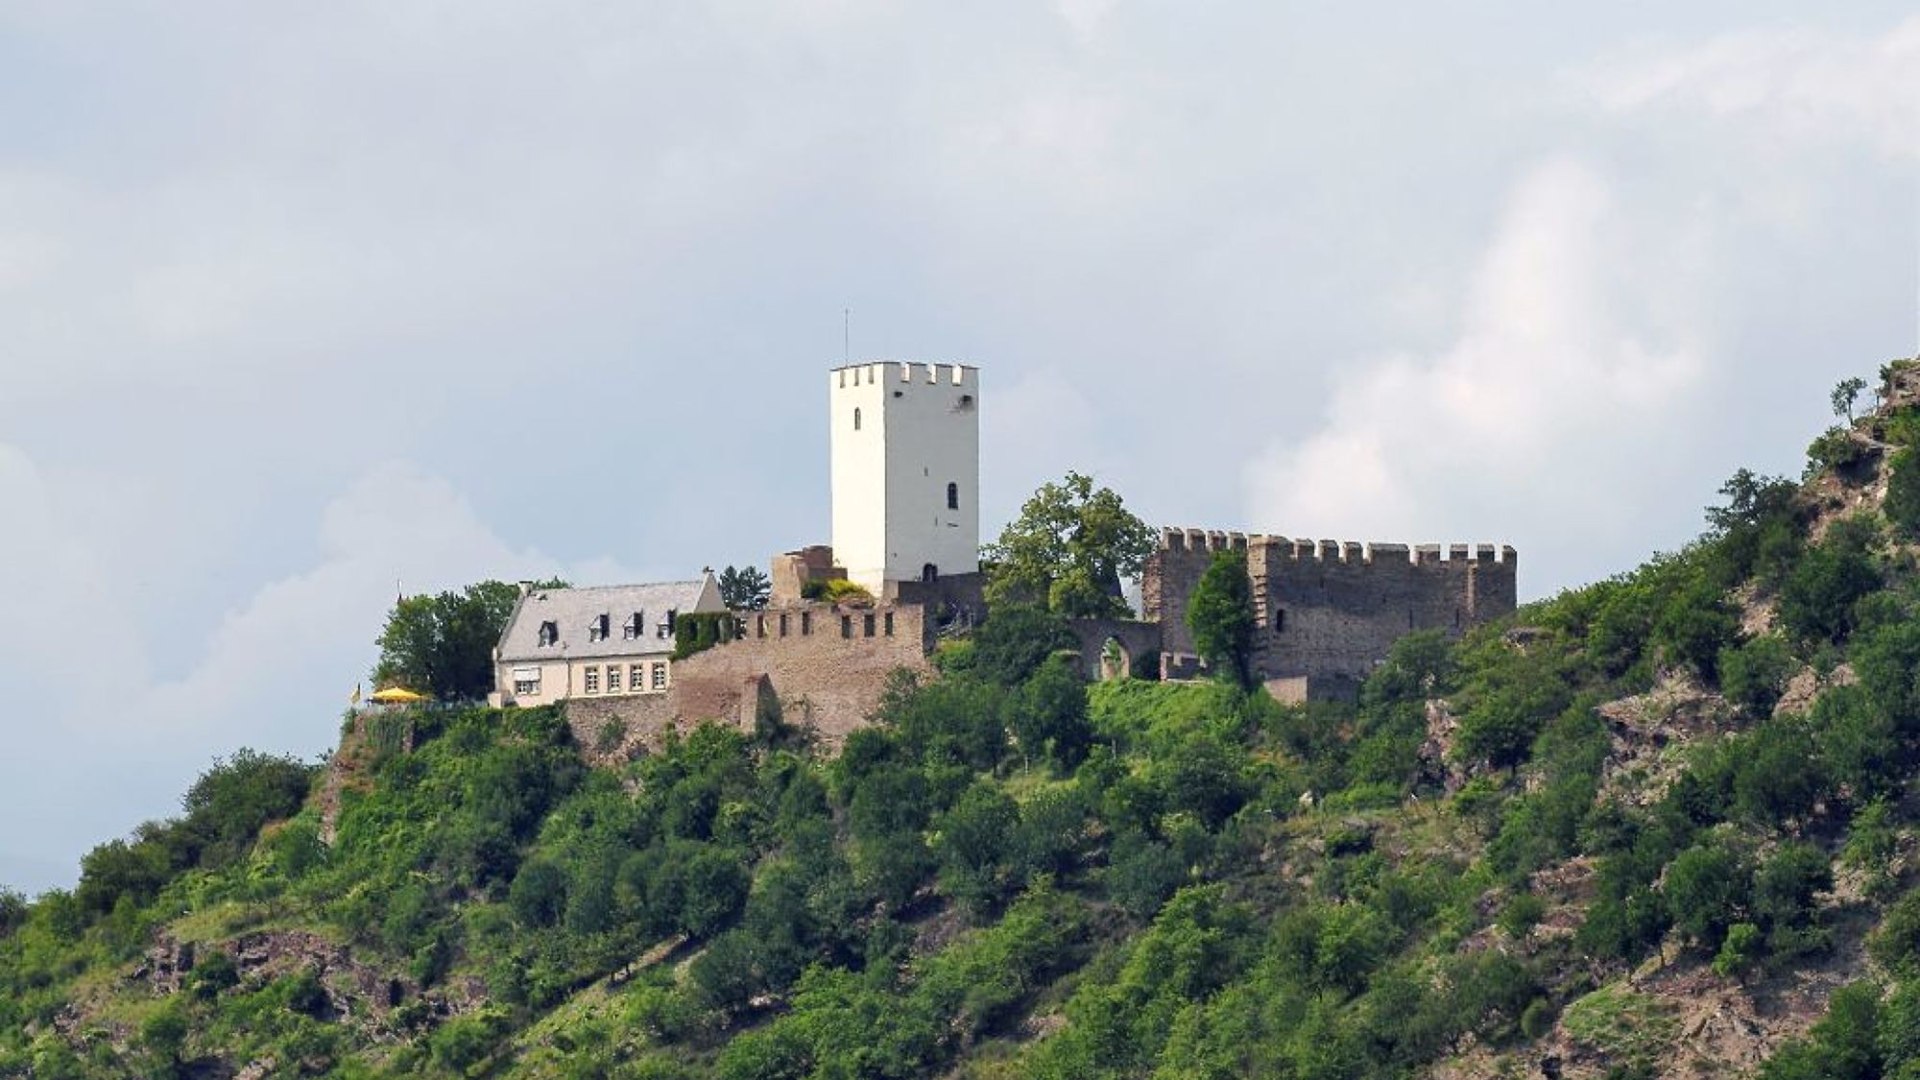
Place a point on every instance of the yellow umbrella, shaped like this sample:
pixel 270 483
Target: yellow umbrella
pixel 394 695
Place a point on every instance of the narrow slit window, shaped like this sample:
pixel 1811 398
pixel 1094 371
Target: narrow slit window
pixel 953 496
pixel 856 418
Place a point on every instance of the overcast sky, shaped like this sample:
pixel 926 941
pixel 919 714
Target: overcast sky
pixel 300 300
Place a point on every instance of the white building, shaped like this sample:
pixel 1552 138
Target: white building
pixel 905 443
pixel 606 640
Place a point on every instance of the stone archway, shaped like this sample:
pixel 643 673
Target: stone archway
pixel 1115 661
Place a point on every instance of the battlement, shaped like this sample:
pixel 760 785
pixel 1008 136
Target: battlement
pixel 897 372
pixel 1346 551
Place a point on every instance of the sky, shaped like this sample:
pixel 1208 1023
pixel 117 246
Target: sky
pixel 304 304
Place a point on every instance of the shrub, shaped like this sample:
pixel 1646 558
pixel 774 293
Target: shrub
pixel 1738 952
pixel 1817 597
pixel 1835 451
pixel 1707 887
pixel 1902 504
pixel 1220 614
pixel 834 591
pixel 1895 944
pixel 1754 674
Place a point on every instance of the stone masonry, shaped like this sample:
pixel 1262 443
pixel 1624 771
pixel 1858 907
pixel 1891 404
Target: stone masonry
pixel 824 664
pixel 1328 610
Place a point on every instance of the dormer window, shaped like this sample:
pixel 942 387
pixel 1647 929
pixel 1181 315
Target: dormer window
pixel 666 624
pixel 549 633
pixel 597 629
pixel 634 627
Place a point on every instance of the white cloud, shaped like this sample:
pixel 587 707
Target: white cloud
pixel 1545 380
pixel 1809 84
pixel 273 675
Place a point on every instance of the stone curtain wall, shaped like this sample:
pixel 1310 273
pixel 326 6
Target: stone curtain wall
pixel 1328 610
pixel 1138 641
pixel 829 678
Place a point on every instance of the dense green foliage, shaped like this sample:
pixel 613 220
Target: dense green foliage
pixel 1068 551
pixel 442 645
pixel 744 588
pixel 1220 614
pixel 1015 873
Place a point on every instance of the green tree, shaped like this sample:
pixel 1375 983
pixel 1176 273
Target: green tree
pixel 1015 640
pixel 1845 394
pixel 973 841
pixel 443 644
pixel 1707 888
pixel 1817 597
pixel 1220 614
pixel 1049 715
pixel 744 589
pixel 1903 491
pixel 1068 550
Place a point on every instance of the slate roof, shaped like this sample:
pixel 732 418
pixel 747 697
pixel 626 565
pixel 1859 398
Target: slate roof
pixel 575 611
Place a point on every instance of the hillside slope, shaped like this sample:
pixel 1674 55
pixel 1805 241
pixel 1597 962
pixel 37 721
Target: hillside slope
pixel 1661 825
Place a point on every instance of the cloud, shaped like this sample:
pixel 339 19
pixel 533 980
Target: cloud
pixel 273 675
pixel 1546 376
pixel 1807 83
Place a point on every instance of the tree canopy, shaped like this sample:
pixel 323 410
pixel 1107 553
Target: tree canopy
pixel 745 588
pixel 443 644
pixel 1068 551
pixel 1220 614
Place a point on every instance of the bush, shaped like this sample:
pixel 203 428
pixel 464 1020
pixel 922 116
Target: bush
pixel 1902 504
pixel 1707 888
pixel 1754 674
pixel 1835 451
pixel 1014 641
pixel 1817 597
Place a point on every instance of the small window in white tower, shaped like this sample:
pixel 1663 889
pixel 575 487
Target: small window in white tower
pixel 953 496
pixel 856 419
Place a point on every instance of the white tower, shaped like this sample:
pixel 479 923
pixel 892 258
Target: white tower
pixel 906 470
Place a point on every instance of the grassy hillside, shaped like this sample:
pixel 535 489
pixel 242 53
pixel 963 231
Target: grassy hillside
pixel 1661 825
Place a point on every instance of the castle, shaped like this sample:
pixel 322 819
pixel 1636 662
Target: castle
pixel 904 444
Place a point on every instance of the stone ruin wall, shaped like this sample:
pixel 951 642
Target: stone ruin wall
pixel 1328 610
pixel 828 678
pixel 826 673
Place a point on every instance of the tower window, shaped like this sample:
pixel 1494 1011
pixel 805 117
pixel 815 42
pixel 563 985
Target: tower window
pixel 953 496
pixel 856 419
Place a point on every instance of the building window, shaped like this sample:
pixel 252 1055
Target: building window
pixel 929 573
pixel 659 676
pixel 846 626
pixel 634 626
pixel 666 625
pixel 953 496
pixel 637 678
pixel 783 624
pixel 856 418
pixel 597 629
pixel 526 682
pixel 549 633
pixel 889 624
pixel 806 623
pixel 868 626
pixel 1280 620
pixel 613 678
pixel 592 680
pixel 759 626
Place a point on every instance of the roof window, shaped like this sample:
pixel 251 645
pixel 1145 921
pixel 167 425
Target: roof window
pixel 549 633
